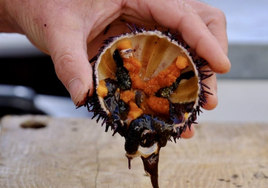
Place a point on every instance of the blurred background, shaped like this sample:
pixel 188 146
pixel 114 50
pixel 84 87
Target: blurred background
pixel 28 83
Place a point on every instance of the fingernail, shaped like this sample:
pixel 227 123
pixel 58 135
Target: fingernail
pixel 75 86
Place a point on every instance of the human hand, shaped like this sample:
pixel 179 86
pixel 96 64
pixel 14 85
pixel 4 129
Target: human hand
pixel 71 32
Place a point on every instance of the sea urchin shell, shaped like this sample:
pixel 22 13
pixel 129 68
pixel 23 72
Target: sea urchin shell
pixel 148 88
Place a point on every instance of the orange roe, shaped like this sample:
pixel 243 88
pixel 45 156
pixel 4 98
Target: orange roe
pixel 134 111
pixel 152 86
pixel 158 105
pixel 102 89
pixel 124 44
pixel 164 79
pixel 137 82
pixel 168 76
pixel 127 95
pixel 132 64
pixel 182 62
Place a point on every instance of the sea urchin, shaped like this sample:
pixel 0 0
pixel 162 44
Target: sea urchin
pixel 148 88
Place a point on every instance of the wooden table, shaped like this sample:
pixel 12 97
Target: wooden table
pixel 78 153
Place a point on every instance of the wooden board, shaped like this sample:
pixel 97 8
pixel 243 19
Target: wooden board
pixel 78 153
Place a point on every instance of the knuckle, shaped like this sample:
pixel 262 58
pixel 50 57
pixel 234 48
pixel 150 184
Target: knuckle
pixel 63 65
pixel 219 15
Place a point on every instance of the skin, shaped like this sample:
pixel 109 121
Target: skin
pixel 71 31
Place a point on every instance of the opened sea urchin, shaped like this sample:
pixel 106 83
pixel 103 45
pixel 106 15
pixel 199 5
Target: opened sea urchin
pixel 148 88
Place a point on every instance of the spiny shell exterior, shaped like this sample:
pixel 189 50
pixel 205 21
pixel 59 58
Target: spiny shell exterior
pixel 148 132
pixel 97 106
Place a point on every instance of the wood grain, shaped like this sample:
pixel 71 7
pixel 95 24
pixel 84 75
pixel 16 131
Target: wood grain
pixel 78 153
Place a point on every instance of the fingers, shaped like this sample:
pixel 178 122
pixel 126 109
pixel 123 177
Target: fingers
pixel 189 133
pixel 217 27
pixel 199 37
pixel 214 19
pixel 68 52
pixel 183 18
pixel 212 100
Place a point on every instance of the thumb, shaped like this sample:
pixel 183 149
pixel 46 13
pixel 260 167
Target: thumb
pixel 69 54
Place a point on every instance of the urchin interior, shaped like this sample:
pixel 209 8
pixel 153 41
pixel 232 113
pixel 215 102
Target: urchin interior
pixel 156 52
